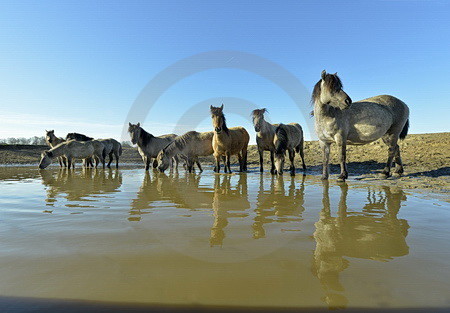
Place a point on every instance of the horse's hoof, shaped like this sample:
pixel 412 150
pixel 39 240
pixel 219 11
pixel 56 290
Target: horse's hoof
pixel 385 174
pixel 324 177
pixel 341 179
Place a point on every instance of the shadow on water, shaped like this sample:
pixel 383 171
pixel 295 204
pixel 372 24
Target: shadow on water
pixel 374 233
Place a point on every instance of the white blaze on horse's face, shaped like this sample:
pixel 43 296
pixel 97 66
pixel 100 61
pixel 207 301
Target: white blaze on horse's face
pixel 163 161
pixel 45 160
pixel 279 163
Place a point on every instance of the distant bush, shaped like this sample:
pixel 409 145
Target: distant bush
pixel 24 141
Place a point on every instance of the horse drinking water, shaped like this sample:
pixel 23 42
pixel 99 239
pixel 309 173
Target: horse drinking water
pixel 338 120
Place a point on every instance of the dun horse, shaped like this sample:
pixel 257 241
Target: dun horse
pixel 72 150
pixel 148 145
pixel 99 147
pixel 288 137
pixel 81 137
pixel 264 137
pixel 228 141
pixel 52 141
pixel 338 120
pixel 191 145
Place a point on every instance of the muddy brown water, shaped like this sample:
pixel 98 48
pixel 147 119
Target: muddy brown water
pixel 247 240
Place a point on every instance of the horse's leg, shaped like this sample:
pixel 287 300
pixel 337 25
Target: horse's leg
pixel 146 162
pixel 60 161
pixel 302 156
pixel 399 164
pixel 198 165
pixel 155 163
pixel 342 146
pixel 391 141
pixel 291 158
pixel 241 162
pixel 326 158
pixel 64 160
pixel 110 159
pixel 116 154
pixel 97 161
pixel 261 160
pixel 217 167
pixel 227 158
pixel 69 162
pixel 244 157
pixel 272 160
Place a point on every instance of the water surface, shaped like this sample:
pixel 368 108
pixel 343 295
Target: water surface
pixel 240 239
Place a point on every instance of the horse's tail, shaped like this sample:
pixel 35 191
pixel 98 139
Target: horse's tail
pixel 120 149
pixel 104 153
pixel 404 131
pixel 299 147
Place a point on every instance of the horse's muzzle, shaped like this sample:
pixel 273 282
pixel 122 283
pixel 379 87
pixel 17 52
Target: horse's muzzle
pixel 257 129
pixel 218 130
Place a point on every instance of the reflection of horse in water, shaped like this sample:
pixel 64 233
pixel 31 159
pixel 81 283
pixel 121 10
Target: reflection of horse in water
pixel 375 233
pixel 227 203
pixel 183 191
pixel 277 205
pixel 75 186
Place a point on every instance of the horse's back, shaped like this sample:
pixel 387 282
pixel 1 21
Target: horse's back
pixel 243 134
pixel 397 106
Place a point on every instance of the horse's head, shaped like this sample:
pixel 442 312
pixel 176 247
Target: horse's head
pixel 135 132
pixel 46 159
pixel 163 161
pixel 258 118
pixel 280 141
pixel 329 90
pixel 49 135
pixel 218 119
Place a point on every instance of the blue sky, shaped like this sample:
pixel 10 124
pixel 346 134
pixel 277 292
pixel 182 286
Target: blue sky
pixel 80 65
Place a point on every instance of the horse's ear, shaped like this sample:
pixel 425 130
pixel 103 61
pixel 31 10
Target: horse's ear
pixel 335 74
pixel 138 124
pixel 129 124
pixel 221 107
pixel 210 107
pixel 323 74
pixel 264 110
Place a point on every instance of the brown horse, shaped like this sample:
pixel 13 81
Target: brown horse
pixel 228 141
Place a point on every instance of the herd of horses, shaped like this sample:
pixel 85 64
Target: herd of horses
pixel 337 120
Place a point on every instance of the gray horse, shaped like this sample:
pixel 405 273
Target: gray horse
pixel 149 145
pixel 338 120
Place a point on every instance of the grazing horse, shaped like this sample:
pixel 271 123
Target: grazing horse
pixel 228 141
pixel 148 145
pixel 264 137
pixel 72 150
pixel 81 137
pixel 191 145
pixel 338 120
pixel 52 141
pixel 112 148
pixel 288 137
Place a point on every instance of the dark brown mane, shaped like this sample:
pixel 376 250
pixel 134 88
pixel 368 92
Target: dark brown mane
pixel 78 137
pixel 258 112
pixel 146 137
pixel 282 142
pixel 331 81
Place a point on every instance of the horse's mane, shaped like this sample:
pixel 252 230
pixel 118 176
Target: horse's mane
pixel 145 136
pixel 282 142
pixel 331 81
pixel 258 112
pixel 181 141
pixel 78 137
pixel 218 112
